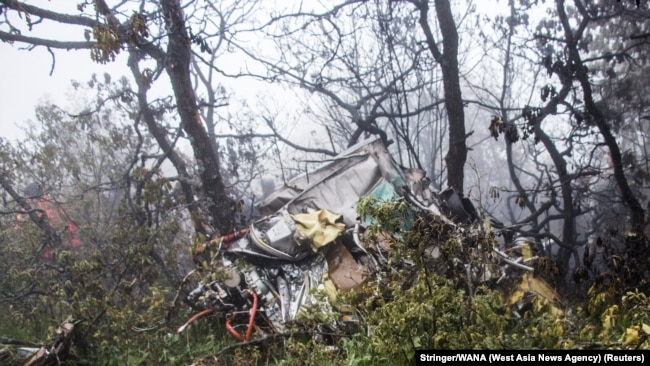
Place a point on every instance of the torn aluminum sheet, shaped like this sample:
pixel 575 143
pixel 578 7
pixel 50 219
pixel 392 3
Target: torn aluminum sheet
pixel 365 169
pixel 339 183
pixel 263 280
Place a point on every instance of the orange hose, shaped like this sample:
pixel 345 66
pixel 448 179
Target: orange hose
pixel 251 322
pixel 193 319
pixel 233 331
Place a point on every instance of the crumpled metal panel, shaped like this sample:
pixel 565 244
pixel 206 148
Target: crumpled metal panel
pixel 338 184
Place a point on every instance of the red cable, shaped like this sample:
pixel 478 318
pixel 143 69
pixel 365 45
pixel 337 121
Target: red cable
pixel 251 321
pixel 193 319
pixel 233 331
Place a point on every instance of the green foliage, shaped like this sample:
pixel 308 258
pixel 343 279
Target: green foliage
pixel 112 289
pixel 431 314
pixel 620 322
pixel 121 275
pixel 122 282
pixel 308 352
pixel 419 308
pixel 391 216
pixel 126 305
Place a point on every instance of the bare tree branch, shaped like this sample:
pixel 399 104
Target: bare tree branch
pixel 50 43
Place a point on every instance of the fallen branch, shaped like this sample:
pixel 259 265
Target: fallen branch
pixel 56 352
pixel 178 293
pixel 18 342
pixel 6 356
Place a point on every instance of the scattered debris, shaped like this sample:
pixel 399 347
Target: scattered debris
pixel 312 241
pixel 56 351
pixel 6 356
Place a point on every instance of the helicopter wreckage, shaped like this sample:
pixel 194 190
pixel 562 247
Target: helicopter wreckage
pixel 311 240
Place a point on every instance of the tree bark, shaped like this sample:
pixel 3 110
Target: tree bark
pixel 448 60
pixel 567 211
pixel 636 210
pixel 177 65
pixel 160 134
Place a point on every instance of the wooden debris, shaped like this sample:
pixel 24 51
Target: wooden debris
pixel 57 351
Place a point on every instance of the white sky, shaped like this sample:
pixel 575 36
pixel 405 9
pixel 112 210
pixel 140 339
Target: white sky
pixel 25 80
pixel 25 75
